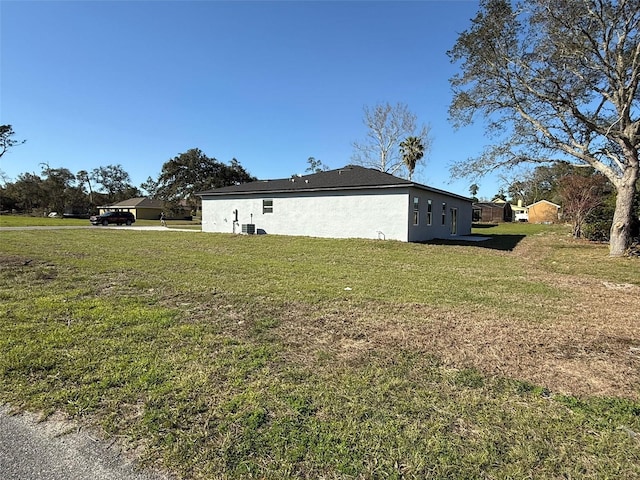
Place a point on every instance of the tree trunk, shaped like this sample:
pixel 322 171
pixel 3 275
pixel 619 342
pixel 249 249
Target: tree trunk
pixel 577 227
pixel 620 236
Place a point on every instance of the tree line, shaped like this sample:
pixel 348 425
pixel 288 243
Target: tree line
pixel 82 193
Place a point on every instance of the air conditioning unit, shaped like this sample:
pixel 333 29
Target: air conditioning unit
pixel 249 228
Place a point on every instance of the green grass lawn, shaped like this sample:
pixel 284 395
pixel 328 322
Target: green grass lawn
pixel 27 221
pixel 273 357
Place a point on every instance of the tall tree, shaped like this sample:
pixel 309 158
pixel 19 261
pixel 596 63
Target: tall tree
pixel 191 172
pixel 28 193
pixel 555 78
pixel 115 182
pixel 386 126
pixel 84 178
pixel 412 151
pixel 150 186
pixel 57 184
pixel 6 140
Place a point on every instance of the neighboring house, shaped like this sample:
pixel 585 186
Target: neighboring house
pixel 543 212
pixel 519 212
pixel 492 212
pixel 350 202
pixel 142 208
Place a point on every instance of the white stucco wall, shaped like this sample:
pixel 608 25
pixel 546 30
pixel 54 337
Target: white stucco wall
pixel 437 229
pixel 376 213
pixel 365 214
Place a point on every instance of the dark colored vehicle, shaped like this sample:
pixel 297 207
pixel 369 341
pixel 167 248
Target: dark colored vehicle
pixel 118 218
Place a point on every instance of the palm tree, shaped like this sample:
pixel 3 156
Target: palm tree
pixel 412 150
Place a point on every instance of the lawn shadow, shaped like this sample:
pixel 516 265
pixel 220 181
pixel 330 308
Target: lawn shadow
pixel 493 242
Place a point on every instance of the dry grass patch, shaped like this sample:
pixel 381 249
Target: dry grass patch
pixel 571 356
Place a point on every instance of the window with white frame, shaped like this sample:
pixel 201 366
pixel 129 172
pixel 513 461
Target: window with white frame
pixel 429 212
pixel 416 210
pixel 444 213
pixel 267 206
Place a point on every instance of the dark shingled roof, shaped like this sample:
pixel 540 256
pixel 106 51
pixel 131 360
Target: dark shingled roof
pixel 351 177
pixel 137 202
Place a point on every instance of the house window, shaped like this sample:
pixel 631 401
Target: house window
pixel 429 212
pixel 416 210
pixel 444 213
pixel 267 206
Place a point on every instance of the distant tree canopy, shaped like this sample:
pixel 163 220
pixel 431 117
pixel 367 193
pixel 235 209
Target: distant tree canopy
pixel 555 80
pixel 542 182
pixel 57 187
pixel 115 182
pixel 59 190
pixel 191 172
pixel 315 166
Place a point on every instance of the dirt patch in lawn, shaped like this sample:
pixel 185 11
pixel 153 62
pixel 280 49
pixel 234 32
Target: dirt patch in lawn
pixel 26 269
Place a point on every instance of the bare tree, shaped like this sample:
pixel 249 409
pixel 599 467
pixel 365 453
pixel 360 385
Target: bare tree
pixel 387 126
pixel 581 195
pixel 555 79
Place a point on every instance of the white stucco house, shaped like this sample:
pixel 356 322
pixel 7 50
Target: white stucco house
pixel 350 202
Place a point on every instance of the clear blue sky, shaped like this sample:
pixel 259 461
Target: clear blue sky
pixel 270 83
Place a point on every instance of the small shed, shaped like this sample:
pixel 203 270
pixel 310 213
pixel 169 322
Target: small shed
pixel 543 211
